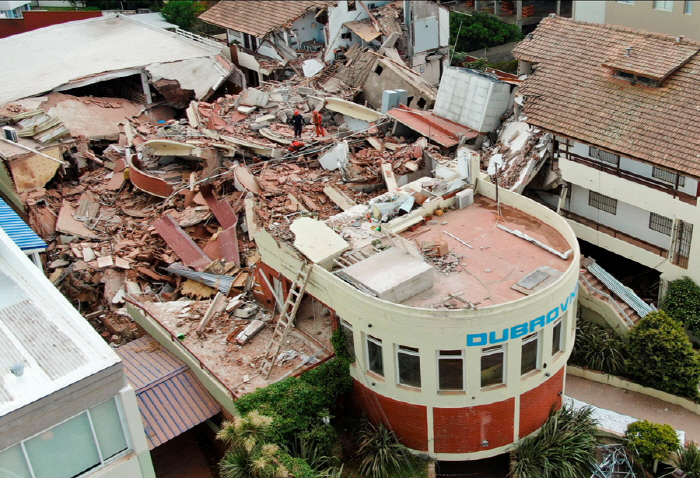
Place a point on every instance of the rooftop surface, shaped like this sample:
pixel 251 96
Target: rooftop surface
pixel 75 50
pixel 238 366
pixel 41 334
pixel 258 18
pixel 496 261
pixel 573 93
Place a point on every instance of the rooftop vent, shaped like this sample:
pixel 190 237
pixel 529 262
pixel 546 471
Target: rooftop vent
pixel 17 369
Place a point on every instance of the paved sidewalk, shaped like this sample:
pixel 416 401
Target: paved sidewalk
pixel 634 405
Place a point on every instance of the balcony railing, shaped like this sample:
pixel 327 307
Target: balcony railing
pixel 615 233
pixel 630 176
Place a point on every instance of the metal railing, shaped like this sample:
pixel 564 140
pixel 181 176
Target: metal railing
pixel 199 39
pixel 610 299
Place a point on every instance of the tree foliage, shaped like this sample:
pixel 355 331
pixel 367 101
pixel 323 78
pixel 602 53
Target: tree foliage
pixel 182 13
pixel 661 356
pixel 480 30
pixel 564 448
pixel 682 302
pixel 380 451
pixel 298 406
pixel 651 441
pixel 598 348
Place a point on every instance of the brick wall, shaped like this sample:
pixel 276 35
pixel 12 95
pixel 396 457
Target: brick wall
pixel 536 404
pixel 262 292
pixel 463 430
pixel 35 20
pixel 410 422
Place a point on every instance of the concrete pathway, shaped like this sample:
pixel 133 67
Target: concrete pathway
pixel 634 404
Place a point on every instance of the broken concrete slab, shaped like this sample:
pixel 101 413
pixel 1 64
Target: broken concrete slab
pixel 318 242
pixel 336 157
pixel 392 275
pixel 249 332
pixel 312 67
pixel 389 178
pixel 340 199
pixel 254 97
pixel 67 224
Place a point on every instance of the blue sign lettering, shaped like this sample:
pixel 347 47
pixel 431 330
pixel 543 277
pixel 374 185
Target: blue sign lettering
pixel 479 340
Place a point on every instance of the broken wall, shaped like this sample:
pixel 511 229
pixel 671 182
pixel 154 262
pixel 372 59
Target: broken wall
pixel 387 76
pixel 472 98
pixel 336 17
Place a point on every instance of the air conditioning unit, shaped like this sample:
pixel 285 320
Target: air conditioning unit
pixel 465 198
pixel 10 133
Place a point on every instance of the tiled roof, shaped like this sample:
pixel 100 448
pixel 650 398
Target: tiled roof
pixel 258 18
pixel 571 93
pixel 651 56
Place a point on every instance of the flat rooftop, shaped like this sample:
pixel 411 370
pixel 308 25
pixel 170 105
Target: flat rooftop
pixel 238 366
pixel 484 274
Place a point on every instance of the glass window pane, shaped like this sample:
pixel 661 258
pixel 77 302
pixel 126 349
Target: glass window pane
pixel 63 451
pixel 374 351
pixel 349 337
pixel 688 7
pixel 409 367
pixel 451 373
pixel 109 429
pixel 13 464
pixel 492 368
pixel 556 338
pixel 529 354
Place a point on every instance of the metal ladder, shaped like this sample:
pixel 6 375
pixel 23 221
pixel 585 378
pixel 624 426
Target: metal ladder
pixel 286 319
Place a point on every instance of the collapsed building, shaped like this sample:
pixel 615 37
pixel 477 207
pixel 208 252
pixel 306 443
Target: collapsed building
pixel 203 221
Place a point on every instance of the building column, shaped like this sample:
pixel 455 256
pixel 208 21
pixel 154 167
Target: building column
pixel 519 14
pixel 558 8
pixel 146 88
pixel 477 5
pixel 497 7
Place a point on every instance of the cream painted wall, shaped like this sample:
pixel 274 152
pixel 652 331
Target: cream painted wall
pixel 589 11
pixel 431 330
pixel 642 15
pixel 644 198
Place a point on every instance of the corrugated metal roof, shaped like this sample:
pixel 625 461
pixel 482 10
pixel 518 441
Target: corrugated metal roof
pixel 41 330
pixel 18 230
pixel 439 129
pixel 170 397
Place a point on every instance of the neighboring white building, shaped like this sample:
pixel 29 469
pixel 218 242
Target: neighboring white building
pixel 14 9
pixel 621 104
pixel 66 409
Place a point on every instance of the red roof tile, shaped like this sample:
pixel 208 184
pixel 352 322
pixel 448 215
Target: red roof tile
pixel 572 93
pixel 261 17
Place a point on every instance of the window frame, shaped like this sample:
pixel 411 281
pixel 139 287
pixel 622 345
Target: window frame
pixel 626 2
pixel 346 328
pixel 686 10
pixel 656 5
pixel 559 323
pixel 492 350
pixel 412 352
pixel 597 201
pixel 604 156
pixel 380 344
pixel 663 224
pixel 533 337
pixel 352 5
pixel 103 462
pixel 442 356
pixel 665 175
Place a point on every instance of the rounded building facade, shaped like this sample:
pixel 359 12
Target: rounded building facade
pixel 464 383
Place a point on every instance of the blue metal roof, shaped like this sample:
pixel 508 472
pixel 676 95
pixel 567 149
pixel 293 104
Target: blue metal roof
pixel 18 230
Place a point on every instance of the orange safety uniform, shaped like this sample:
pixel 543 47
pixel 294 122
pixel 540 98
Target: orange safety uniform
pixel 318 122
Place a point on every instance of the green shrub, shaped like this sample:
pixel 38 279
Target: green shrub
pixel 661 356
pixel 182 13
pixel 682 302
pixel 651 441
pixel 298 405
pixel 480 30
pixel 598 348
pixel 687 458
pixel 340 345
pixel 380 451
pixel 564 448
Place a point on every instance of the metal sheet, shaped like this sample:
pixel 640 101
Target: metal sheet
pixel 180 242
pixel 441 130
pixel 221 208
pixel 18 230
pixel 170 398
pixel 33 170
pixel 228 243
pixel 216 281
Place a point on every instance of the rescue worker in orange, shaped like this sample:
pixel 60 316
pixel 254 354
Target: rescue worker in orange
pixel 318 122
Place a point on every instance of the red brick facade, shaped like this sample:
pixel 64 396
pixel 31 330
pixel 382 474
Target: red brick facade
pixel 536 404
pixel 410 422
pixel 464 430
pixel 262 292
